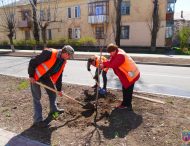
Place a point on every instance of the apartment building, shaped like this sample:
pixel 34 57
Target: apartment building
pixel 76 19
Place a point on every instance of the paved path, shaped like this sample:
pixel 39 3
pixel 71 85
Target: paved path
pixel 11 139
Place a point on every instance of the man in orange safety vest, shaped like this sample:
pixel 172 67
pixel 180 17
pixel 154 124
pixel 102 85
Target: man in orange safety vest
pixel 47 68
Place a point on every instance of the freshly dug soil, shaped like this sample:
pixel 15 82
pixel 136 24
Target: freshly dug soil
pixel 150 124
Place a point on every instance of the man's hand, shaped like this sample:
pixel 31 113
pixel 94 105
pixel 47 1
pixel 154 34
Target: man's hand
pixel 60 93
pixel 32 80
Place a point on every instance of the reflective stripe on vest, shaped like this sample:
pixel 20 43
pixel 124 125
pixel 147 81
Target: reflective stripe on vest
pixel 129 67
pixel 45 66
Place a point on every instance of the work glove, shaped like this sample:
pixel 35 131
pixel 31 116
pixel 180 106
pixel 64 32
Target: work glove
pixel 60 93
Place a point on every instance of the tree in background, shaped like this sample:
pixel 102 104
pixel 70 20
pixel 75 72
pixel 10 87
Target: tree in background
pixel 184 36
pixel 42 17
pixel 7 21
pixel 155 25
pixel 35 22
pixel 117 4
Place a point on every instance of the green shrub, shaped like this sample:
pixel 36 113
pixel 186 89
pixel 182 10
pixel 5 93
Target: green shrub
pixel 182 51
pixel 184 35
pixel 23 85
pixel 4 42
pixel 52 42
pixel 62 41
pixel 30 42
pixel 87 41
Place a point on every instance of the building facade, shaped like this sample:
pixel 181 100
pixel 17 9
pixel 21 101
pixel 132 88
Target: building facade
pixel 76 19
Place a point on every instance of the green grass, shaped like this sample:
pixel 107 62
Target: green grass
pixel 23 85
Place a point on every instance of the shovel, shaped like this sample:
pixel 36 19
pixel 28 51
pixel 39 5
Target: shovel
pixel 85 106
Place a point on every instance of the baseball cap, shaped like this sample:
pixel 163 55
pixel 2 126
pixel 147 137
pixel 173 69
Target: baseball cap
pixel 68 49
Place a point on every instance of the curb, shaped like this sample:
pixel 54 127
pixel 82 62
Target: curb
pixel 83 57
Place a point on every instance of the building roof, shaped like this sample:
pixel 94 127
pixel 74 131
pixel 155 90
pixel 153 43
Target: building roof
pixel 184 15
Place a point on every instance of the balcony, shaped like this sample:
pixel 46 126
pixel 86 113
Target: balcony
pixel 98 19
pixel 24 24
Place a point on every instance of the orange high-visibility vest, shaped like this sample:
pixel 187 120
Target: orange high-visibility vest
pixel 129 67
pixel 97 61
pixel 45 66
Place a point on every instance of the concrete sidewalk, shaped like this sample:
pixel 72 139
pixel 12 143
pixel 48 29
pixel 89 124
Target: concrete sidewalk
pixel 11 139
pixel 153 59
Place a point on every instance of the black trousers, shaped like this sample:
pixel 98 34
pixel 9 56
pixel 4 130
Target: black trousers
pixel 127 95
pixel 104 76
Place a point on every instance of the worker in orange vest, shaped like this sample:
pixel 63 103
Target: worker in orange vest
pixel 95 61
pixel 126 70
pixel 47 68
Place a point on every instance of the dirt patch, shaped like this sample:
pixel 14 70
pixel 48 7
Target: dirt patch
pixel 150 124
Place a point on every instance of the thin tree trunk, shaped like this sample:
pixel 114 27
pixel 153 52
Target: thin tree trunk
pixel 44 37
pixel 10 36
pixel 155 26
pixel 35 23
pixel 118 22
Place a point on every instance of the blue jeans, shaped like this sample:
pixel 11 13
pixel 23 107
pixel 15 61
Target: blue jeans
pixel 36 93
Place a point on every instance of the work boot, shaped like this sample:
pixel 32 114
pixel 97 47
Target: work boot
pixel 121 106
pixel 56 113
pixel 60 111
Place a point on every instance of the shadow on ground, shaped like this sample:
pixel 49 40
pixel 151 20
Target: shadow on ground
pixel 42 135
pixel 120 123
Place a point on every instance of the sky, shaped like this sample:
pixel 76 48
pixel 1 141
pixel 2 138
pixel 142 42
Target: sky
pixel 182 5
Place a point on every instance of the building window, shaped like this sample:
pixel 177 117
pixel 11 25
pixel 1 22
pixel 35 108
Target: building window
pixel 73 12
pixel 99 32
pixel 25 14
pixel 27 34
pixel 77 12
pixel 125 8
pixel 169 32
pixel 70 33
pixel 124 32
pixel 48 15
pixel 170 6
pixel 42 15
pixel 98 8
pixel 74 33
pixel 69 12
pixel 49 34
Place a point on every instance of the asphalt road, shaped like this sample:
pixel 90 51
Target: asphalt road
pixel 170 80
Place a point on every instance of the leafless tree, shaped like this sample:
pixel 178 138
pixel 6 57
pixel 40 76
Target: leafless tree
pixel 8 22
pixel 35 22
pixel 42 17
pixel 117 4
pixel 155 25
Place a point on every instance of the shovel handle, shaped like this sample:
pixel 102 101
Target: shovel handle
pixel 47 87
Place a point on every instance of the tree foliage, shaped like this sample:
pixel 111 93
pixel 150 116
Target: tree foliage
pixel 8 23
pixel 184 36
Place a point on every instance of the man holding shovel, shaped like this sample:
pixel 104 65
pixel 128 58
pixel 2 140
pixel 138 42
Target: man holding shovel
pixel 47 68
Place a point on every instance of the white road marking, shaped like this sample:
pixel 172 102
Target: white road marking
pixel 171 76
